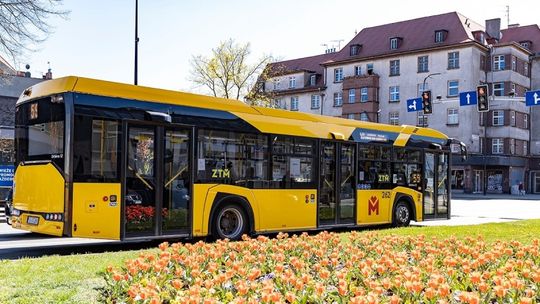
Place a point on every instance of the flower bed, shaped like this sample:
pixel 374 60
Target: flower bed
pixel 324 269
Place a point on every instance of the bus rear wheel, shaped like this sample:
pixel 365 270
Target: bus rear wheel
pixel 402 215
pixel 230 222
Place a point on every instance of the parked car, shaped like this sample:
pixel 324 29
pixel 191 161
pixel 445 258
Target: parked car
pixel 8 205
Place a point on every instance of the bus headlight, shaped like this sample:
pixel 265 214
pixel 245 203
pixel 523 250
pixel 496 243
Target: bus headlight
pixel 57 217
pixel 15 212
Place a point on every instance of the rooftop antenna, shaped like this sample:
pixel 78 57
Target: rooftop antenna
pixel 338 41
pixel 508 16
pixel 325 47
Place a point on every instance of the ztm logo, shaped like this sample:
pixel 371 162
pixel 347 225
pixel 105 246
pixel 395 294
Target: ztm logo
pixel 373 205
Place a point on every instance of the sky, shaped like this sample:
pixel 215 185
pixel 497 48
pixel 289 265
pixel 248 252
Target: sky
pixel 97 38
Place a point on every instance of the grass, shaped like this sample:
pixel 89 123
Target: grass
pixel 76 278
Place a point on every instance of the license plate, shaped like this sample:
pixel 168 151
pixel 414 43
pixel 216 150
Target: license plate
pixel 32 220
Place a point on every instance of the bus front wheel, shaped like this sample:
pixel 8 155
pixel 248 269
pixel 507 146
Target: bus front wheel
pixel 230 222
pixel 402 214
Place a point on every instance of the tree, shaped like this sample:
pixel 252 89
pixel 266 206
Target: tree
pixel 226 73
pixel 23 23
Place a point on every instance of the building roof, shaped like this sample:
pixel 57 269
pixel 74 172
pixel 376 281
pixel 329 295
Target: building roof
pixel 523 33
pixel 311 64
pixel 12 86
pixel 5 67
pixel 415 34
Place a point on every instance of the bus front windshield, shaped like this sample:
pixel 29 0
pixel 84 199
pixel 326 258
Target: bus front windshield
pixel 39 131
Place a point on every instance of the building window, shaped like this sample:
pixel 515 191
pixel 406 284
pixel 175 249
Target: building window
pixel 497 146
pixel 498 118
pixel 315 101
pixel 513 118
pixel 453 88
pixel 277 103
pixel 355 49
pixel 370 68
pixel 352 95
pixel 364 94
pixel 364 116
pixel 422 121
pixel 338 75
pixel 393 43
pixel 498 89
pixel 350 116
pixel 292 82
pixel 498 63
pixel 514 63
pixel 312 80
pixel 525 44
pixel 422 64
pixel 512 146
pixel 453 60
pixel 277 84
pixel 357 70
pixel 394 67
pixel 394 94
pixel 294 103
pixel 526 69
pixel 439 36
pixel 453 117
pixel 338 99
pixel 525 121
pixel 525 148
pixel 394 118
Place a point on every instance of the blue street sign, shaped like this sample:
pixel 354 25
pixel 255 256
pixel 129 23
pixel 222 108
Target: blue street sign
pixel 6 175
pixel 532 98
pixel 467 98
pixel 414 104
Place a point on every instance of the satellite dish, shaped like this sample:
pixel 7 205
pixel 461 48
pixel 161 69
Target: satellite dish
pixel 27 66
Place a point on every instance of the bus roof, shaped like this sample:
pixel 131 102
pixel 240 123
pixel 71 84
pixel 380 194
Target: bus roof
pixel 283 121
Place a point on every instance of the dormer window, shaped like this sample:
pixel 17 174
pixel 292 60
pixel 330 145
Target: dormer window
pixel 312 80
pixel 355 49
pixel 479 36
pixel 440 35
pixel 394 43
pixel 526 44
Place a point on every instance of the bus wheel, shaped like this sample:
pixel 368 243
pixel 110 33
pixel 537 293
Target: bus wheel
pixel 230 222
pixel 402 214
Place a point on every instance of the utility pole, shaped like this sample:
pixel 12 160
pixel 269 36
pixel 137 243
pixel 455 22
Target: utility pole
pixel 136 39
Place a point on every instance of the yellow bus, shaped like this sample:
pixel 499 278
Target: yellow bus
pixel 98 159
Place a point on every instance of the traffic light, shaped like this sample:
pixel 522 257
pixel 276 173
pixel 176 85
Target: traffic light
pixel 426 102
pixel 482 98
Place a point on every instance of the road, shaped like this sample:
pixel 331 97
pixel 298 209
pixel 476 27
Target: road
pixel 465 211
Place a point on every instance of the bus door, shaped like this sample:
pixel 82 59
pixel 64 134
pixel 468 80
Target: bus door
pixel 436 197
pixel 157 181
pixel 337 199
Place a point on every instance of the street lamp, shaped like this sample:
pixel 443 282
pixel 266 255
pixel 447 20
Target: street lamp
pixel 425 78
pixel 136 38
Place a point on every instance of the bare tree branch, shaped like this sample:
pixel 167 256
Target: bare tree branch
pixel 24 23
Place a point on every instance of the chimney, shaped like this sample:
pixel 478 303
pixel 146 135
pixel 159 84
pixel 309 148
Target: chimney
pixel 513 25
pixel 48 75
pixel 493 28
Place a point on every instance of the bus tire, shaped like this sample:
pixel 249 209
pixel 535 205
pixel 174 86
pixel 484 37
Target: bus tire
pixel 230 222
pixel 402 214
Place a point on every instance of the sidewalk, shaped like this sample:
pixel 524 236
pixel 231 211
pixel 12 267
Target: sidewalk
pixel 489 196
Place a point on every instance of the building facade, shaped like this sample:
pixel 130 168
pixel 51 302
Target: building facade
pixel 382 67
